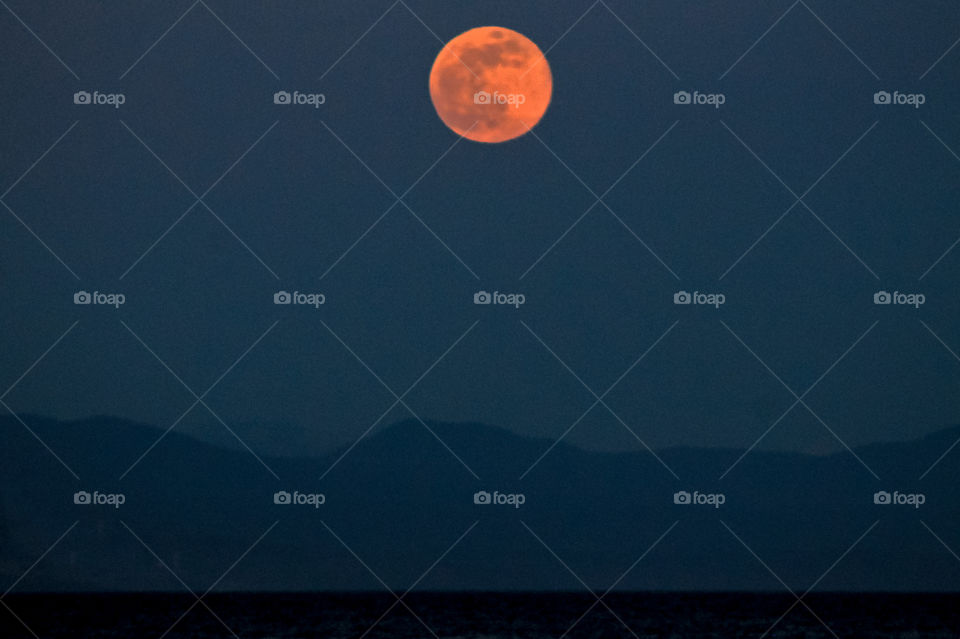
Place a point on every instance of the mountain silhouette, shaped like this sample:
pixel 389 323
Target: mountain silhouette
pixel 400 499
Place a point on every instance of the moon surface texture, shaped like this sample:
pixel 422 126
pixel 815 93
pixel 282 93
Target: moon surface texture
pixel 491 84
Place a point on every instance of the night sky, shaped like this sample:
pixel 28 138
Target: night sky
pixel 199 198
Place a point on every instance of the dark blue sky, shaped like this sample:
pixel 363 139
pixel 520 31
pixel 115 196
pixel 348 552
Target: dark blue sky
pixel 598 294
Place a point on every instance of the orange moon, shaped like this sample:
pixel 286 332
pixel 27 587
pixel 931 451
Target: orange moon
pixel 490 84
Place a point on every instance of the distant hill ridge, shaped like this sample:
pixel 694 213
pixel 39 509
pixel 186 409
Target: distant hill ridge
pixel 400 498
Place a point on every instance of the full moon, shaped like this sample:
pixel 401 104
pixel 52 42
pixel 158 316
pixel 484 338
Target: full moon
pixel 490 84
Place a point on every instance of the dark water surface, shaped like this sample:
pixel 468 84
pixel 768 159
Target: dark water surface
pixel 486 615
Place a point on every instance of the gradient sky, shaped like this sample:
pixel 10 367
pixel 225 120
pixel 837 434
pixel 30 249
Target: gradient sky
pixel 481 217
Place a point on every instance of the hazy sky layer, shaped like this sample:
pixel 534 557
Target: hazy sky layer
pixel 299 199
